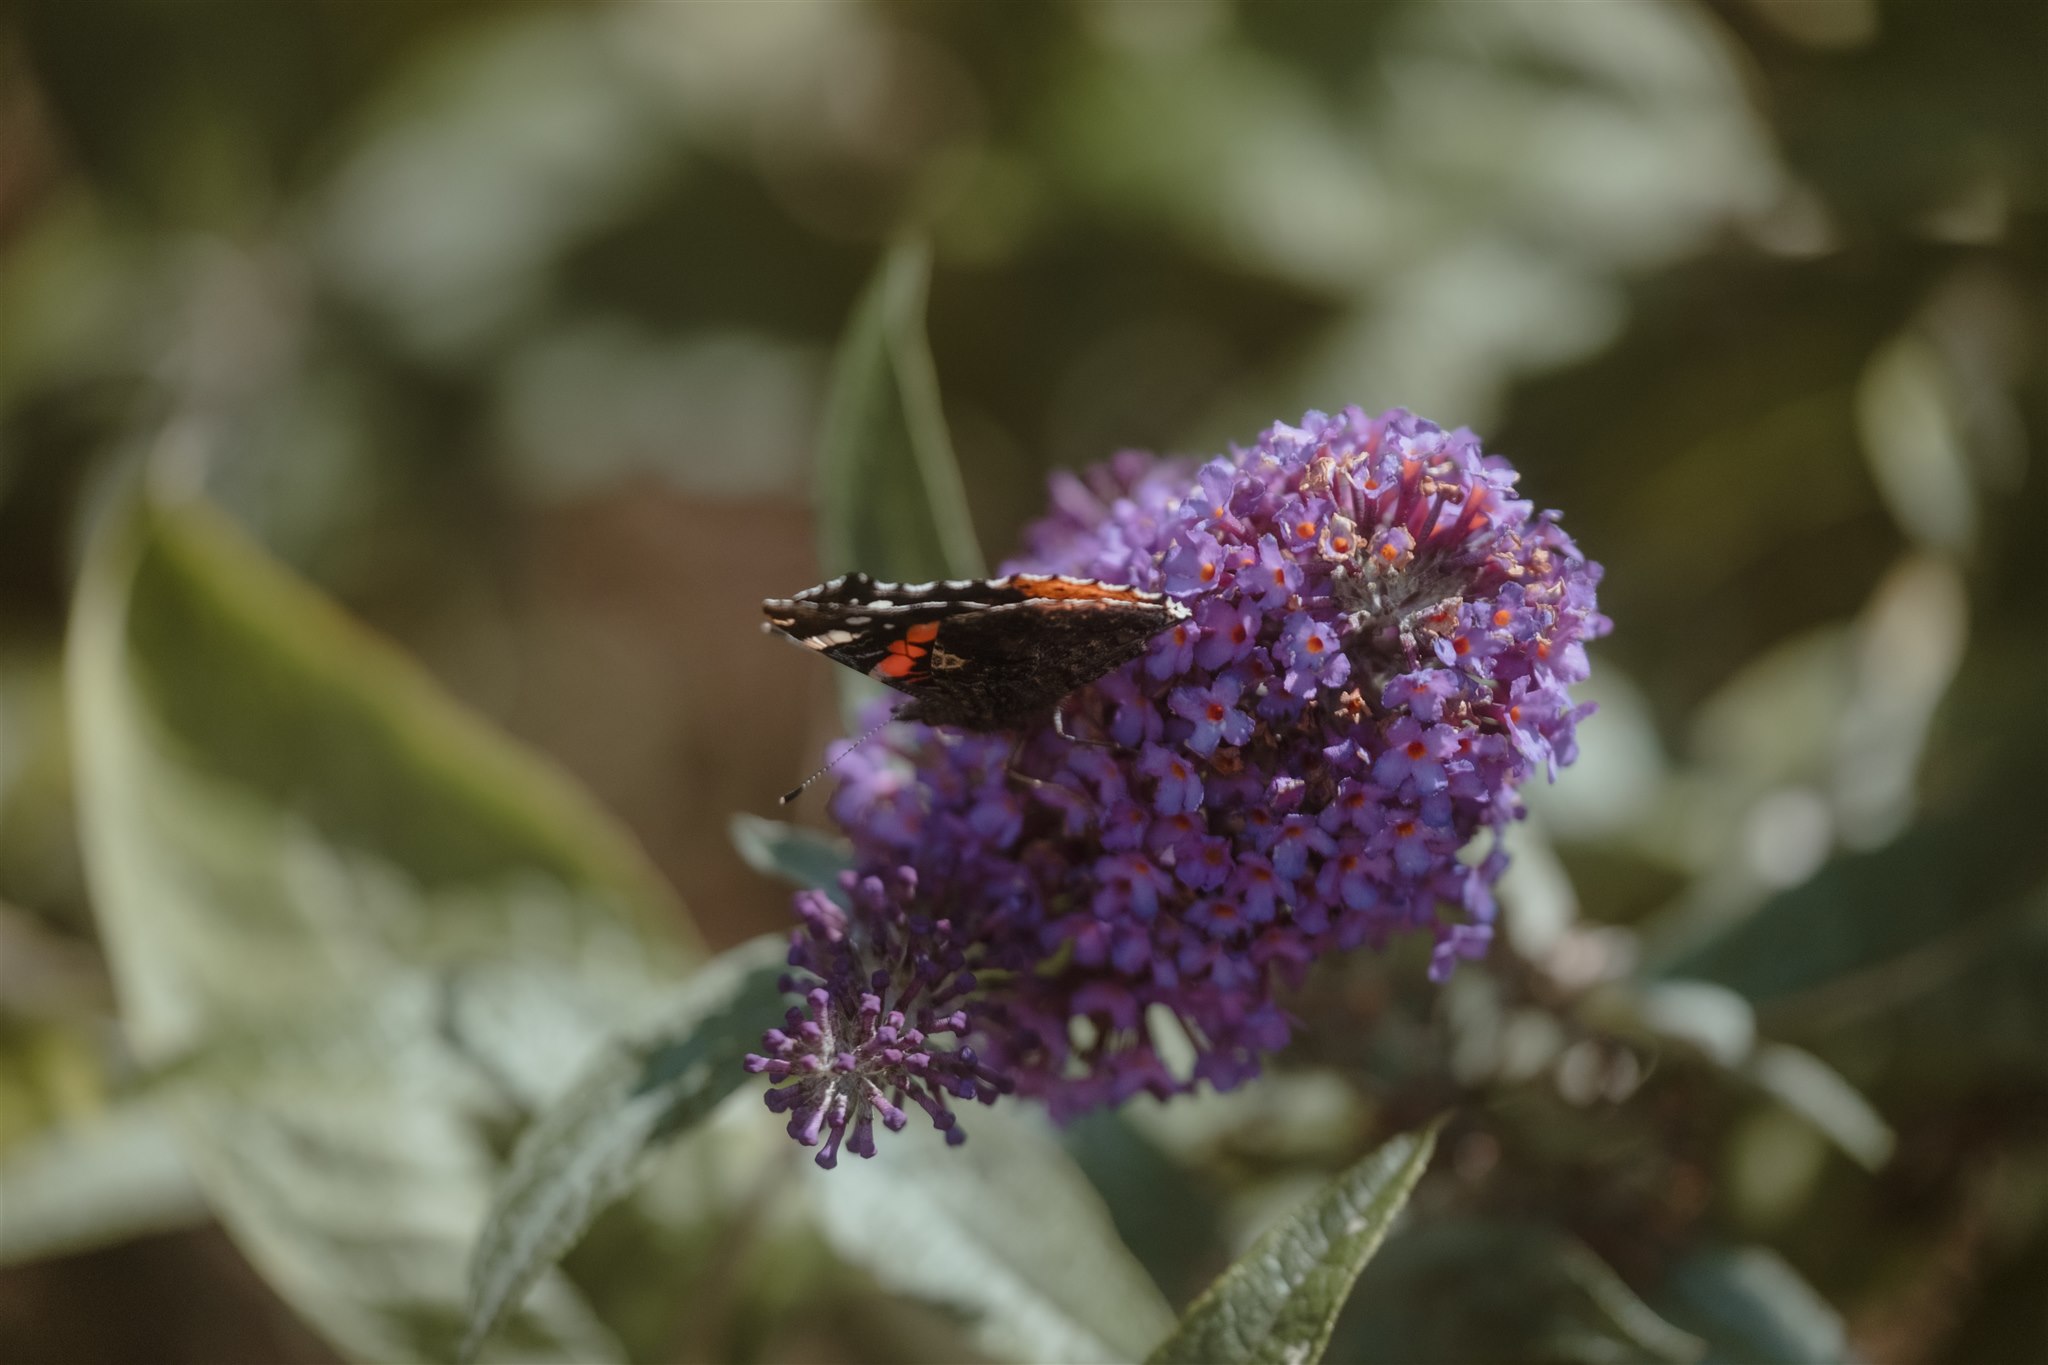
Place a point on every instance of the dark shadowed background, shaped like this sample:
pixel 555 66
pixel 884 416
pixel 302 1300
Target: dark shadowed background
pixel 507 327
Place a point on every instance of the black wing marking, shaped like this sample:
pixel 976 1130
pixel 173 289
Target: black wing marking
pixel 1007 666
pixel 857 636
pixel 858 590
pixel 984 654
pixel 1064 644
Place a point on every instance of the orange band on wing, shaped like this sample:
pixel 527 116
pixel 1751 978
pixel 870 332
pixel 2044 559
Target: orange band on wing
pixel 1055 587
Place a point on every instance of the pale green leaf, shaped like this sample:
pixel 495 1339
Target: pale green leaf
pixel 1279 1301
pixel 1005 1230
pixel 350 926
pixel 636 1096
pixel 1821 1095
pixel 79 1186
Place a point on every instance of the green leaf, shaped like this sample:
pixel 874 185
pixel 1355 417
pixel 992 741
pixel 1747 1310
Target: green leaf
pixel 799 856
pixel 1978 999
pixel 1927 897
pixel 1162 1210
pixel 1818 1093
pixel 353 928
pixel 635 1097
pixel 1279 1301
pixel 1751 1306
pixel 1005 1229
pixel 76 1187
pixel 889 495
pixel 1492 1289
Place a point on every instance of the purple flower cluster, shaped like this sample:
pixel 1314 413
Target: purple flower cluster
pixel 885 982
pixel 1381 649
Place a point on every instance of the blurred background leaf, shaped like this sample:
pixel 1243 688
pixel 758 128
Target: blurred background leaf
pixel 790 853
pixel 890 496
pixel 1003 1230
pixel 324 893
pixel 1486 1289
pixel 886 477
pixel 1752 1306
pixel 118 1176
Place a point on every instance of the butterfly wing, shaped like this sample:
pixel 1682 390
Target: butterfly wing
pixel 880 629
pixel 983 655
pixel 1008 665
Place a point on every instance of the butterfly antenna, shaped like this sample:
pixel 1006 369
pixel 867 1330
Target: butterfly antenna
pixel 798 790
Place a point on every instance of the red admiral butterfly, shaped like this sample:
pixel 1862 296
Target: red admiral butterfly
pixel 980 654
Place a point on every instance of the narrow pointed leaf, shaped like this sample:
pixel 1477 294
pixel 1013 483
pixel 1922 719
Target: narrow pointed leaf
pixel 1279 1302
pixel 890 499
pixel 1751 1305
pixel 636 1096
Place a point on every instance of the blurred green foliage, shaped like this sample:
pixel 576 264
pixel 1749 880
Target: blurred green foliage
pixel 510 329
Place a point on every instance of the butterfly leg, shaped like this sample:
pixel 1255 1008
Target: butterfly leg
pixel 1059 727
pixel 1010 764
pixel 1060 795
pixel 1057 796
